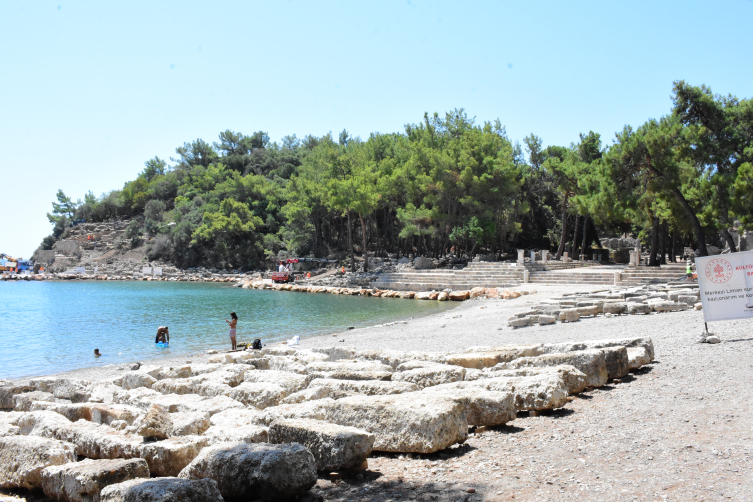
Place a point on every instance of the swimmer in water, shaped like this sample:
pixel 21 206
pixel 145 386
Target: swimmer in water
pixel 163 335
pixel 96 353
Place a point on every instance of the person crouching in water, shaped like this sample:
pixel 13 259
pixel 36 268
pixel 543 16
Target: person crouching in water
pixel 233 323
pixel 163 335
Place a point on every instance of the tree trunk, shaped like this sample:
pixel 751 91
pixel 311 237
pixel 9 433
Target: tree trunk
pixel 350 246
pixel 700 235
pixel 585 232
pixel 663 244
pixel 730 241
pixel 561 248
pixel 365 250
pixel 652 262
pixel 673 258
pixel 575 237
pixel 595 236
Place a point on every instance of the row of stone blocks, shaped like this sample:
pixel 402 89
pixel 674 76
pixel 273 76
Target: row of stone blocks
pixel 260 424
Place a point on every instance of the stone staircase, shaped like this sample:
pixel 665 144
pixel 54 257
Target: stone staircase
pixel 503 275
pixel 671 272
pixel 603 277
pixel 482 274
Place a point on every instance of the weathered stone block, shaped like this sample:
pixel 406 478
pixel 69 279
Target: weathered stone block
pixel 430 375
pixel 258 395
pixel 519 322
pixel 162 490
pixel 365 387
pixel 83 481
pixel 412 422
pixel 23 458
pixel 615 308
pixel 590 362
pixel 637 357
pixel 156 424
pixel 459 296
pixel 23 402
pixel 255 471
pixel 575 380
pixel 638 308
pixel 291 382
pixel 334 447
pixel 546 319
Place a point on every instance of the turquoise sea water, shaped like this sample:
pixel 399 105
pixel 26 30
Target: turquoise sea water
pixel 50 327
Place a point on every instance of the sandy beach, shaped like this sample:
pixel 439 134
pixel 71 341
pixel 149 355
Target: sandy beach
pixel 679 428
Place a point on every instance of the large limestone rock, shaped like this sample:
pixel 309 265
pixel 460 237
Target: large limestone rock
pixel 156 424
pixel 430 375
pixel 255 471
pixel 482 407
pixel 169 457
pixel 7 392
pixel 459 296
pixel 78 391
pixel 638 308
pixel 347 366
pixel 83 481
pixel 191 423
pixel 637 357
pixel 591 362
pixel 308 395
pixel 291 382
pixel 352 375
pixel 575 380
pixel 644 342
pixel 334 447
pixel 23 458
pixel 165 458
pixel 615 308
pixel 23 402
pixel 366 387
pixel 162 490
pixel 258 395
pixel 93 412
pixel 481 360
pixel 412 422
pixel 136 379
pixel 539 392
pixel 616 358
pixel 237 425
pixel 175 372
pixel 570 315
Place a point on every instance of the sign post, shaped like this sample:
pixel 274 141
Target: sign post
pixel 726 286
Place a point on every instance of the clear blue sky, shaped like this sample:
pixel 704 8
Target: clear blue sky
pixel 91 90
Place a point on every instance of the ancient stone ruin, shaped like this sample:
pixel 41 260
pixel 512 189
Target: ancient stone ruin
pixel 259 425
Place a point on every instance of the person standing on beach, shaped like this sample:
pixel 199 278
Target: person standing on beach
pixel 233 323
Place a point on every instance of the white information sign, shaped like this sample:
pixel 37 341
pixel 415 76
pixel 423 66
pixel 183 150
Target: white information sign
pixel 157 270
pixel 726 285
pixel 80 270
pixel 146 270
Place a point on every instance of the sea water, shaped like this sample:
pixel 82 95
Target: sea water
pixel 51 327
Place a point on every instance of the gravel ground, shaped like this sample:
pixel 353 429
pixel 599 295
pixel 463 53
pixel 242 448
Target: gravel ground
pixel 678 429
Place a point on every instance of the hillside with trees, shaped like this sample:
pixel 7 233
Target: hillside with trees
pixel 444 185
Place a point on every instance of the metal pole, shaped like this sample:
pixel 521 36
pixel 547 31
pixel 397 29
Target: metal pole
pixel 707 326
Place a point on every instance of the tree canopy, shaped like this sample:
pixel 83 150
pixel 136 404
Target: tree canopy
pixel 443 185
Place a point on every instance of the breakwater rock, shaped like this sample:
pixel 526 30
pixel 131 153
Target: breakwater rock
pixel 259 424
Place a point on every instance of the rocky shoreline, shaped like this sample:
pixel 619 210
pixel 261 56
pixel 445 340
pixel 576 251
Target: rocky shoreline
pixel 464 421
pixel 278 415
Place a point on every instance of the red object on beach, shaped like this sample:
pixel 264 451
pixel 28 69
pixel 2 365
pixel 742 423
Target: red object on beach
pixel 282 277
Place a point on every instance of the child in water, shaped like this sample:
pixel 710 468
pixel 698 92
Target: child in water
pixel 96 353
